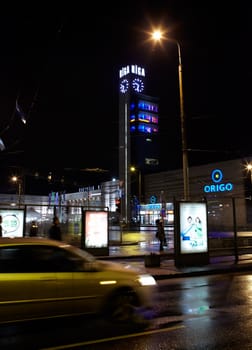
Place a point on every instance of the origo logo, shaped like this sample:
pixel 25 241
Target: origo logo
pixel 218 185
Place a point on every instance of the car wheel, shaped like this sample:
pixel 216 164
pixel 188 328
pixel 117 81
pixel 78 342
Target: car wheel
pixel 122 307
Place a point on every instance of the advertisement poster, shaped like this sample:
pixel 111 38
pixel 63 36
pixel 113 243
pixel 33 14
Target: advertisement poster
pixel 96 229
pixel 193 228
pixel 13 222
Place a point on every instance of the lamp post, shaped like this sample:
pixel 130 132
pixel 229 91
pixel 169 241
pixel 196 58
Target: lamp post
pixel 18 181
pixel 134 169
pixel 157 35
pixel 136 207
pixel 249 169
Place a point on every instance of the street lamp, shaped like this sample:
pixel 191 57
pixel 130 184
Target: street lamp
pixel 134 169
pixel 157 36
pixel 249 170
pixel 18 181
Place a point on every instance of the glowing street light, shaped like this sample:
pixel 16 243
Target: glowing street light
pixel 18 181
pixel 158 36
pixel 249 170
pixel 134 169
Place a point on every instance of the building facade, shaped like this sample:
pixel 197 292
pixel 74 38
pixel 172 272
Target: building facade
pixel 225 186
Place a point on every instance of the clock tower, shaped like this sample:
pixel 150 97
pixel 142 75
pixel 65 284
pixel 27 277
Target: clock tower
pixel 138 122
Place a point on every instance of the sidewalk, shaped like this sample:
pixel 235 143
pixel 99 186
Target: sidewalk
pixel 134 253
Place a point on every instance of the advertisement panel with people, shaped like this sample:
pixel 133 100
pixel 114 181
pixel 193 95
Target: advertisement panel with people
pixel 193 228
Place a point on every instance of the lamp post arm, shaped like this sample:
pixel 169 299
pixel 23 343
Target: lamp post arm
pixel 157 36
pixel 179 53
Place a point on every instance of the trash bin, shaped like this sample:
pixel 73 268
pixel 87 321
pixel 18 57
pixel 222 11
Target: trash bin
pixel 152 260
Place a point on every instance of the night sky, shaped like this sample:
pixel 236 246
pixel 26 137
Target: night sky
pixel 62 64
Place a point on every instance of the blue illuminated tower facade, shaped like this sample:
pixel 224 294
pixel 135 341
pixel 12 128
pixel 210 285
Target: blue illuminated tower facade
pixel 138 136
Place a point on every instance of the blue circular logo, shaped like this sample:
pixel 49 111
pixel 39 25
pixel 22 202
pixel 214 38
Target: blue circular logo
pixel 217 175
pixel 153 199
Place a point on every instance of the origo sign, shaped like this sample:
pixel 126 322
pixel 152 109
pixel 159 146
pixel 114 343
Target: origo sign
pixel 218 185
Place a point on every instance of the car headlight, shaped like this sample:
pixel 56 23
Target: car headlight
pixel 147 280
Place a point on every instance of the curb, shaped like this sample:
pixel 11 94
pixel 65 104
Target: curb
pixel 211 271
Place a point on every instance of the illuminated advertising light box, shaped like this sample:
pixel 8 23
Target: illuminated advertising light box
pixel 96 231
pixel 193 228
pixel 13 222
pixel 191 234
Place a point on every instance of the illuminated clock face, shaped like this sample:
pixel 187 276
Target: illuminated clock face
pixel 138 85
pixel 124 85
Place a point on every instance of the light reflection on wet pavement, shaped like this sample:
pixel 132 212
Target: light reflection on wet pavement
pixel 138 243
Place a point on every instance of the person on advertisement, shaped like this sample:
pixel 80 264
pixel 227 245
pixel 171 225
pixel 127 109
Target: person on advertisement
pixel 187 232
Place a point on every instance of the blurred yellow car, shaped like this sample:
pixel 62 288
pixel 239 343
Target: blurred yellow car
pixel 42 278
